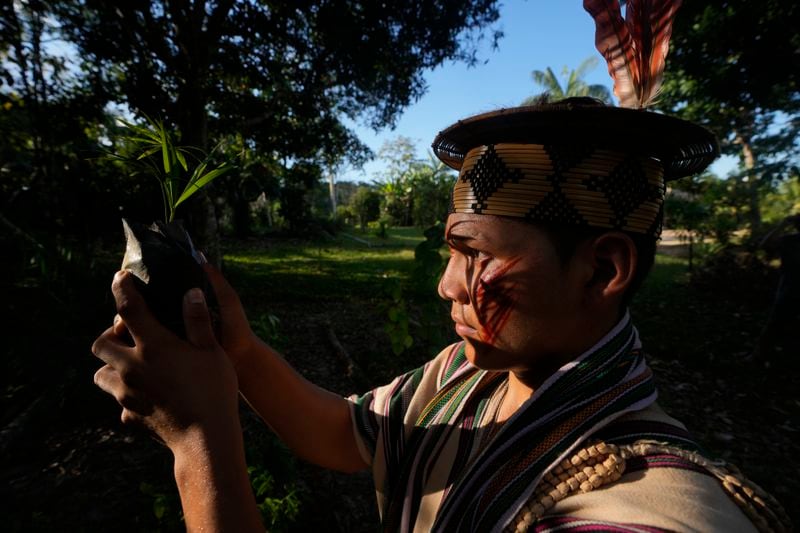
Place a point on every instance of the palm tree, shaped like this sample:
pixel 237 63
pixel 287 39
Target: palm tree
pixel 575 85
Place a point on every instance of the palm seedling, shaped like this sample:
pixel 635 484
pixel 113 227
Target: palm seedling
pixel 161 255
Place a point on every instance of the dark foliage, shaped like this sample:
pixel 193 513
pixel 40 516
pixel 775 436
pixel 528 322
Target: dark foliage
pixel 734 66
pixel 271 80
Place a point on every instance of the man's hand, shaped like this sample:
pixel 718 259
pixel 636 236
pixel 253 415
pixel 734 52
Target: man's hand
pixel 236 337
pixel 187 393
pixel 174 387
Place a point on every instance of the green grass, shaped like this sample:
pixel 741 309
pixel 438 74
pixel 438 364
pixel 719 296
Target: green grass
pixel 701 327
pixel 298 270
pixel 323 269
pixel 668 274
pixel 396 237
pixel 655 308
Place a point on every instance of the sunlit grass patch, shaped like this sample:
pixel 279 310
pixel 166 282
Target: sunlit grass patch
pixel 401 236
pixel 325 269
pixel 667 271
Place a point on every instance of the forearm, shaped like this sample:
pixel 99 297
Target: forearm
pixel 211 474
pixel 313 422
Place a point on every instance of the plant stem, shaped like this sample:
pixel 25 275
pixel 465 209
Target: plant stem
pixel 167 216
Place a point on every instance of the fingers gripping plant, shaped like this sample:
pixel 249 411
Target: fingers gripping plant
pixel 162 255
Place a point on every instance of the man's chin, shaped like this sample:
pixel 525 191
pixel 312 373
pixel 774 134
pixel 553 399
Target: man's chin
pixel 486 356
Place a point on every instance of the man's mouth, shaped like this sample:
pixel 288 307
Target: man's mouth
pixel 463 329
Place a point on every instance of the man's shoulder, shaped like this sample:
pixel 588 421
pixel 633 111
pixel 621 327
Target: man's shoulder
pixel 665 493
pixel 659 485
pixel 643 472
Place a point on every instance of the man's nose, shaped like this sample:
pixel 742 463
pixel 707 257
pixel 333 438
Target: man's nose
pixel 453 285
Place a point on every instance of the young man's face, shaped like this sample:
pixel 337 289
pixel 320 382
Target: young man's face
pixel 513 302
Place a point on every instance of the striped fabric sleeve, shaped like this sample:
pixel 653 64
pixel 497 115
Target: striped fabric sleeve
pixel 380 414
pixel 368 410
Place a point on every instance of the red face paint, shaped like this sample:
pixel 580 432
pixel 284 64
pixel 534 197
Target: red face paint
pixel 491 294
pixel 494 300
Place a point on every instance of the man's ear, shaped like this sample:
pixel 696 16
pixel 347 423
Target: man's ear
pixel 613 258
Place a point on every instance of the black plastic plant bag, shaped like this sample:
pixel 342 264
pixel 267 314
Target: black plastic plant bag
pixel 166 264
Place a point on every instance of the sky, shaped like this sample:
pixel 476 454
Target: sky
pixel 538 34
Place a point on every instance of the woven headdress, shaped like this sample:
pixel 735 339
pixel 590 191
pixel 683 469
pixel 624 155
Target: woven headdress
pixel 578 161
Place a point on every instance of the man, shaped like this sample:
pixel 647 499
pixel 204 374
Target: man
pixel 543 416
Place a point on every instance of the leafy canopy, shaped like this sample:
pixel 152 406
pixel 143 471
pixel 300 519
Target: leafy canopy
pixel 280 73
pixel 734 66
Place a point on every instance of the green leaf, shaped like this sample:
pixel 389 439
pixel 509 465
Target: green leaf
pixel 181 159
pixel 148 152
pixel 159 508
pixel 198 171
pixel 168 196
pixel 149 135
pixel 204 180
pixel 165 156
pixel 143 140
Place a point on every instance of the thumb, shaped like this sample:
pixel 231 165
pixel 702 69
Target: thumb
pixel 226 295
pixel 197 320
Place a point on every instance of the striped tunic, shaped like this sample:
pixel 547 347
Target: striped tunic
pixel 441 463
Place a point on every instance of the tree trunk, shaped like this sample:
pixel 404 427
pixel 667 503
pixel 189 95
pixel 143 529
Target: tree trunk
pixel 31 88
pixel 332 191
pixel 241 215
pixel 753 181
pixel 409 218
pixel 210 231
pixel 193 123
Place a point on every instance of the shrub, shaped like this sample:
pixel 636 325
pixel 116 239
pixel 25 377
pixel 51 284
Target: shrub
pixel 366 205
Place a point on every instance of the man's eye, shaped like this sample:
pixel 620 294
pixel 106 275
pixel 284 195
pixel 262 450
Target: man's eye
pixel 479 254
pixel 469 252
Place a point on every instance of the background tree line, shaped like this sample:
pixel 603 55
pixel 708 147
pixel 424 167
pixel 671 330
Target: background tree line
pixel 409 192
pixel 272 80
pixel 734 66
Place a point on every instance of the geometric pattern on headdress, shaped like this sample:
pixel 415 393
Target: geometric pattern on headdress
pixel 486 176
pixel 565 157
pixel 556 206
pixel 626 188
pixel 573 186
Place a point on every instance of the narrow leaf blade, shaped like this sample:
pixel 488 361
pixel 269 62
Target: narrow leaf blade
pixel 201 182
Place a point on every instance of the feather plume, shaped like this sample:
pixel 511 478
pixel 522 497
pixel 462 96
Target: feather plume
pixel 635 47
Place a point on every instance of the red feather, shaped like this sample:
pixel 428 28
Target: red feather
pixel 635 47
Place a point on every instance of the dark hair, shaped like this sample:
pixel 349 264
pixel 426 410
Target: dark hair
pixel 565 240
